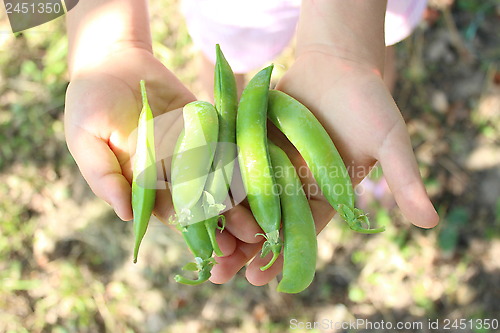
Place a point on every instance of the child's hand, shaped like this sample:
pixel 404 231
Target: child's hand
pixel 102 110
pixel 354 105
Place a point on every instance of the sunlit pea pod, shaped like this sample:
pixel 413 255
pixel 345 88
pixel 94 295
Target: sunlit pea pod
pixel 219 179
pixel 312 141
pixel 254 161
pixel 190 165
pixel 299 231
pixel 195 149
pixel 144 172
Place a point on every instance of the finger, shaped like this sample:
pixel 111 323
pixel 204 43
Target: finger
pixel 322 213
pixel 100 168
pixel 241 223
pixel 227 267
pixel 403 177
pixel 164 208
pixel 256 276
pixel 227 242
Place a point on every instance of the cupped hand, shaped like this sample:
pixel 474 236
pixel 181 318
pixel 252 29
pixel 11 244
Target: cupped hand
pixel 102 109
pixel 352 102
pixel 354 105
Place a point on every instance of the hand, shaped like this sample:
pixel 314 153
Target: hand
pixel 102 109
pixel 356 108
pixel 354 105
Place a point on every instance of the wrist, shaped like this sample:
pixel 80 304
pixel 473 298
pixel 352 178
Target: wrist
pixel 350 30
pixel 98 29
pixel 107 59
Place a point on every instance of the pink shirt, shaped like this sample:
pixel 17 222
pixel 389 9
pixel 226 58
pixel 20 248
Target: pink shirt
pixel 254 32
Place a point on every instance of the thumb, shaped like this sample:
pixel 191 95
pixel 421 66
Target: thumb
pixel 403 177
pixel 100 168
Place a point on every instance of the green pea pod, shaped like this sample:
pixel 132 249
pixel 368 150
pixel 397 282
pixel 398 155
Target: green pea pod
pixel 192 157
pixel 196 237
pixel 226 105
pixel 219 180
pixel 144 172
pixel 312 141
pixel 299 231
pixel 255 165
pixel 195 149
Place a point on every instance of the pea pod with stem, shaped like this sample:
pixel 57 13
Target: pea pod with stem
pixel 144 172
pixel 219 179
pixel 312 141
pixel 193 156
pixel 299 231
pixel 255 165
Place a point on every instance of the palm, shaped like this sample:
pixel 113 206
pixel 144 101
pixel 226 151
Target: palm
pixel 354 105
pixel 351 103
pixel 102 108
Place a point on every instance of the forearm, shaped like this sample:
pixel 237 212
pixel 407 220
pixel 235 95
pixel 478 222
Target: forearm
pixel 97 28
pixel 353 29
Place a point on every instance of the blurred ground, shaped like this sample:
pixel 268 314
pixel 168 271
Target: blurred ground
pixel 65 259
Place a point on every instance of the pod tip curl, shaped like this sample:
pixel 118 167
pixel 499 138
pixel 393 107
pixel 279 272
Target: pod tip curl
pixel 203 266
pixel 272 244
